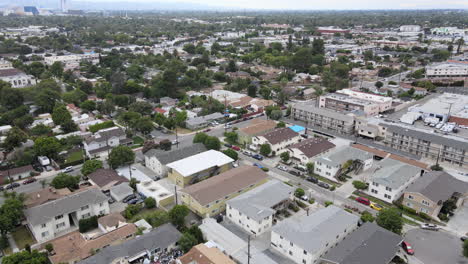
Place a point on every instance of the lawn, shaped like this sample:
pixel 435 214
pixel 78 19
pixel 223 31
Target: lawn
pixel 74 156
pixel 22 237
pixel 138 140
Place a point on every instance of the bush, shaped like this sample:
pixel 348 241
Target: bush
pixel 131 210
pixel 408 210
pixel 443 217
pixel 103 125
pixel 301 204
pixel 332 188
pixel 150 202
pixel 311 201
pixel 367 217
pixel 425 216
pixel 359 185
pixel 265 169
pixel 328 203
pixel 88 224
pixel 299 192
pixel 231 153
pixel 293 207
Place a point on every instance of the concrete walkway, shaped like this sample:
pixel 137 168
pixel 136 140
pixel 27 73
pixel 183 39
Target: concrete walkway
pixel 12 243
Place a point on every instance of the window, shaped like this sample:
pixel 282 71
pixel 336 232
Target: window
pixel 425 202
pixel 374 191
pixel 43 225
pixel 305 252
pixel 291 243
pixel 304 261
pixel 375 184
pixel 85 216
pixel 102 212
pixel 84 207
pixel 60 225
pixel 409 205
pixel 58 217
pixel 44 234
pixel 410 197
pixel 101 204
pixel 281 237
pixel 388 189
pixel 290 252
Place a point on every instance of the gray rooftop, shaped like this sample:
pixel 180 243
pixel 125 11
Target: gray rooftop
pixel 166 157
pixel 438 186
pixel 324 112
pixel 161 237
pixel 315 230
pixel 343 154
pixel 204 119
pixel 45 212
pixel 369 244
pixel 122 188
pixel 257 203
pixel 393 173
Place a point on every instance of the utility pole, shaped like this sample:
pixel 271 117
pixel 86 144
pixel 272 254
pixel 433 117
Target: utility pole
pixel 175 194
pixel 248 250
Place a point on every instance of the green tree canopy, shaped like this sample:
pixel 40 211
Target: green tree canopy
pixel 63 180
pixel 231 153
pixel 390 219
pixel 121 155
pixel 47 146
pixel 14 138
pixel 91 166
pixel 265 149
pixel 177 215
pixel 26 257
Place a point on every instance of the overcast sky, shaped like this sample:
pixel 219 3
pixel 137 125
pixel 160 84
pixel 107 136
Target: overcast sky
pixel 321 4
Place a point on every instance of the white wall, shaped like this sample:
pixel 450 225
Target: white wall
pixel 155 165
pixel 247 223
pixel 388 194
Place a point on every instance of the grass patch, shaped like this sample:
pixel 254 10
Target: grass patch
pixel 182 130
pixel 138 140
pixel 373 199
pixel 409 222
pixel 74 156
pixel 22 237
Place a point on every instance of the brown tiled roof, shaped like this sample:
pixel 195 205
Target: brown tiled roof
pixel 103 177
pixel 313 146
pixel 459 120
pixel 279 135
pixel 201 254
pixel 9 72
pixel 241 102
pixel 73 247
pixel 44 195
pixel 258 126
pixel 111 220
pixel 224 184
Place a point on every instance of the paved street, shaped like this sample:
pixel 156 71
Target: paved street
pixel 435 247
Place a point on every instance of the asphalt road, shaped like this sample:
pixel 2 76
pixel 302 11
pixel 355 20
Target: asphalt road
pixel 435 247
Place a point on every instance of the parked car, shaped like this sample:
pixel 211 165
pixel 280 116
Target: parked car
pixel 207 130
pixel 305 198
pixel 376 206
pixel 133 201
pixel 407 248
pixel 67 169
pixel 295 172
pixel 111 201
pixel 128 198
pixel 363 200
pixel 247 153
pixel 300 168
pixel 30 180
pixel 236 148
pixel 227 145
pixel 463 238
pixel 258 165
pixel 323 185
pixel 175 142
pixel 312 179
pixel 282 167
pixel 430 227
pixel 2 189
pixel 12 185
pixel 257 157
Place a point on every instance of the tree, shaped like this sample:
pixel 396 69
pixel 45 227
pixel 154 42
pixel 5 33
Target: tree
pixel 56 69
pixel 47 146
pixel 437 167
pixel 276 114
pixel 252 90
pixel 231 67
pixel 177 215
pixel 46 100
pixel 14 138
pixel 465 249
pixel 280 124
pixel 131 210
pixel 285 156
pixel 359 185
pixel 200 137
pixel 180 117
pixel 165 144
pixel 390 219
pixel 299 192
pixel 133 183
pixel 63 180
pixel 187 241
pixel 378 84
pixel 212 143
pixel 170 123
pixel 49 247
pixel 150 202
pixel 265 149
pixel 26 257
pixel 129 118
pixel 448 207
pixel 144 108
pixel 10 98
pixel 231 153
pixel 231 137
pixel 384 72
pixel 367 217
pixel 159 119
pixel 310 167
pixel 91 166
pixel 40 130
pixel 144 125
pixel 88 106
pixel 121 155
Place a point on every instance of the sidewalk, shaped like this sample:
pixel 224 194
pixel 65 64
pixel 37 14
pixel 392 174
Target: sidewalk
pixel 12 243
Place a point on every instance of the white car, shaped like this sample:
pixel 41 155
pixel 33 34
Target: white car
pixel 67 169
pixel 281 167
pixel 305 197
pixel 175 142
pixel 430 227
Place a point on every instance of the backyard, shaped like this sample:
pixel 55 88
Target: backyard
pixel 74 156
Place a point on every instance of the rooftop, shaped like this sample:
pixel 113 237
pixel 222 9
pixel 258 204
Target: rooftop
pixel 438 186
pixel 45 195
pixel 258 126
pixel 313 146
pixel 201 254
pixel 104 177
pixel 279 135
pixel 166 157
pixel 393 173
pixel 343 154
pixel 200 162
pixel 324 112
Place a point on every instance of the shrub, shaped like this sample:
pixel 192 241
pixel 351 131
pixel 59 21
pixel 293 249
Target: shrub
pixel 311 200
pixel 443 217
pixel 328 203
pixel 150 202
pixel 131 210
pixel 409 210
pixel 265 169
pixel 293 207
pixel 103 125
pixel 299 192
pixel 332 188
pixel 359 185
pixel 88 224
pixel 367 217
pixel 425 216
pixel 348 210
pixel 301 204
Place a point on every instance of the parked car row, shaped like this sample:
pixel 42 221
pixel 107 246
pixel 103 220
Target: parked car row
pixel 367 202
pixel 133 199
pixel 16 184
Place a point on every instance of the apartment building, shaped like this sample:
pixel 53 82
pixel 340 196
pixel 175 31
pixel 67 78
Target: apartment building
pixel 323 118
pixel 202 254
pixel 208 198
pixel 72 61
pixel 254 210
pixel 61 216
pixel 278 139
pixel 306 239
pixel 444 148
pixel 349 101
pixel 17 78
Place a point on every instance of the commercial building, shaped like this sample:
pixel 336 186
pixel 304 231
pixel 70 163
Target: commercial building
pixel 308 150
pixel 17 78
pixel 450 68
pixel 428 193
pixel 410 28
pixel 197 167
pixel 254 210
pixel 305 240
pixel 323 118
pixel 61 216
pixel 161 193
pixel 278 139
pixel 349 100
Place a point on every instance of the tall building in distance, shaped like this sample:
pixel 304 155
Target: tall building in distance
pixel 63 6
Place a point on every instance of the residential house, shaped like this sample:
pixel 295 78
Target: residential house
pixel 162 193
pixel 105 178
pixel 16 173
pixel 120 191
pixel 111 222
pixel 323 118
pixel 369 244
pixel 157 159
pixel 428 193
pixel 17 78
pixel 99 144
pixel 390 178
pixel 308 150
pixel 202 254
pixel 167 101
pixel 330 166
pixel 308 238
pixel 278 139
pixel 203 121
pixel 256 127
pixel 194 168
pixel 161 239
pixel 208 198
pixel 254 210
pixel 45 195
pixel 258 104
pixel 58 217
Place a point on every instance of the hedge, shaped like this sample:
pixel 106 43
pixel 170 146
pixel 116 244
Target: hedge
pixel 103 125
pixel 88 224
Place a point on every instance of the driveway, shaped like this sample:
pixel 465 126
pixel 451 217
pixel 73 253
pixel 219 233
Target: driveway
pixel 459 222
pixel 436 247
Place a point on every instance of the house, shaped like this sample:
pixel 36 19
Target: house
pixel 16 173
pixel 111 222
pixel 254 210
pixel 99 144
pixel 203 121
pixel 120 191
pixel 157 159
pixel 61 216
pixel 158 190
pixel 258 104
pixel 306 239
pixel 428 193
pixel 369 244
pixel 45 195
pixel 390 178
pixel 194 168
pixel 208 197
pixel 278 139
pixel 161 239
pixel 201 254
pixel 330 166
pixel 17 78
pixel 105 178
pixel 308 150
pixel 74 247
pixel 167 101
pixel 232 245
pixel 256 127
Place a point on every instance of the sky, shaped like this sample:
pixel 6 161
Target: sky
pixel 320 4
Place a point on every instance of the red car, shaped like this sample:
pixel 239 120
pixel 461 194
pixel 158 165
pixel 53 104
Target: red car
pixel 407 248
pixel 207 130
pixel 28 181
pixel 363 200
pixel 236 148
